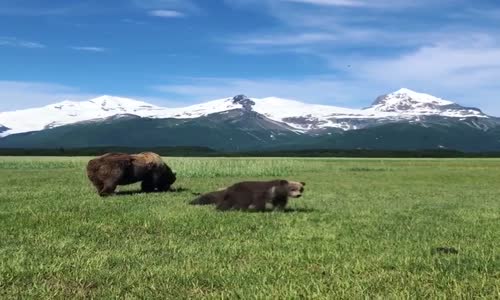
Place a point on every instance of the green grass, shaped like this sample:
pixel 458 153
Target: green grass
pixel 364 228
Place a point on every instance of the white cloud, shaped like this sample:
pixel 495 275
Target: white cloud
pixel 326 29
pixel 371 51
pixel 466 65
pixel 89 48
pixel 313 89
pixel 181 6
pixel 320 43
pixel 24 94
pixel 363 3
pixel 20 94
pixel 464 70
pixel 28 8
pixel 354 92
pixel 288 39
pixel 132 21
pixel 354 4
pixel 11 10
pixel 14 42
pixel 166 13
pixel 332 2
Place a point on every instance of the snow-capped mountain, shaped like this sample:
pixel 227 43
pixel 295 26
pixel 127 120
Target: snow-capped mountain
pixel 408 102
pixel 403 104
pixel 69 112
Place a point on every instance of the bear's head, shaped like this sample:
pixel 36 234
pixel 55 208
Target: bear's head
pixel 166 178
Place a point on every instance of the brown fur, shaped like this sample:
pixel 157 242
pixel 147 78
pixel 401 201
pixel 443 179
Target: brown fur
pixel 253 195
pixel 108 171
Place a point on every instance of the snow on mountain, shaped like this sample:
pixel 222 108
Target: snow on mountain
pixel 69 112
pixel 408 102
pixel 404 104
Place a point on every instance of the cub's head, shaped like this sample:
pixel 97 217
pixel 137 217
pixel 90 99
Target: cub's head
pixel 295 188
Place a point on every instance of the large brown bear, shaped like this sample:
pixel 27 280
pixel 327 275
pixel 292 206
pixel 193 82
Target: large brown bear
pixel 108 171
pixel 253 195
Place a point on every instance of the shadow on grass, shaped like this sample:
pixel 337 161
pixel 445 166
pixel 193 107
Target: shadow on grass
pixel 444 250
pixel 250 211
pixel 137 192
pixel 284 211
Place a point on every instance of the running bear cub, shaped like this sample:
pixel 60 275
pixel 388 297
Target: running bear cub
pixel 108 171
pixel 253 195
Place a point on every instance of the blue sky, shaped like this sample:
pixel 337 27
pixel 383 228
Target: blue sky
pixel 178 52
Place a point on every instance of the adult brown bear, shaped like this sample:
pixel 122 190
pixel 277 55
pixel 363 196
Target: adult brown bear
pixel 108 171
pixel 253 195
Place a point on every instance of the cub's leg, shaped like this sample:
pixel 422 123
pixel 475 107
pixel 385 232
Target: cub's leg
pixel 226 203
pixel 279 203
pixel 256 203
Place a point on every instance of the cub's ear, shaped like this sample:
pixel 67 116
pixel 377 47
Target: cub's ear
pixel 283 182
pixel 303 183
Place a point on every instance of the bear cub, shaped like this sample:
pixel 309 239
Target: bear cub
pixel 253 195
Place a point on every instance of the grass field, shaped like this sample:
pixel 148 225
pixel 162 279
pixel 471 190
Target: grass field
pixel 365 228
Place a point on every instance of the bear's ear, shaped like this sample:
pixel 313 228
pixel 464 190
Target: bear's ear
pixel 303 183
pixel 283 182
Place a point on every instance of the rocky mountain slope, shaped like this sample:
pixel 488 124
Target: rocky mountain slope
pixel 400 105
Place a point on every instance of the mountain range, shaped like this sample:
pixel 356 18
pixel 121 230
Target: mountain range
pixel 402 120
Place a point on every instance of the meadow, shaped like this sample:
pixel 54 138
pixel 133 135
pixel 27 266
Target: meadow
pixel 365 228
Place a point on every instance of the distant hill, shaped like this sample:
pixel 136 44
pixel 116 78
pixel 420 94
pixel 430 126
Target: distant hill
pixel 403 120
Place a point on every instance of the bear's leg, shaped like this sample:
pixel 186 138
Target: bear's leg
pixel 147 185
pixel 162 186
pixel 98 185
pixel 160 183
pixel 108 189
